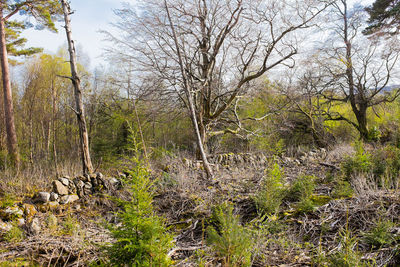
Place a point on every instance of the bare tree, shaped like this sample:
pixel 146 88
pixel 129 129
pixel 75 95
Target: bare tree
pixel 207 52
pixel 80 113
pixel 356 70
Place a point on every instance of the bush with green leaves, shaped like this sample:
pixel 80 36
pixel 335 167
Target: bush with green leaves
pixel 15 234
pixel 302 188
pixel 301 192
pixel 380 235
pixel 347 255
pixel 269 198
pixel 141 237
pixel 360 163
pixel 342 189
pixel 230 241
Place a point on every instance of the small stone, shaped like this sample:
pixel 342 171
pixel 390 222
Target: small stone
pixel 68 199
pixel 49 206
pixel 54 196
pixel 5 227
pixel 115 182
pixel 64 181
pixel 88 189
pixel 85 178
pixel 29 211
pixel 43 197
pixel 93 181
pixel 72 188
pixel 34 226
pixel 13 212
pixel 79 183
pixel 21 222
pixel 59 188
pixel 52 205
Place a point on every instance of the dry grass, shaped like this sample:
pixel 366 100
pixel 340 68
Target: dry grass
pixel 34 178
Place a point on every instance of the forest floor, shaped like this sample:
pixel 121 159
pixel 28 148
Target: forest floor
pixel 334 222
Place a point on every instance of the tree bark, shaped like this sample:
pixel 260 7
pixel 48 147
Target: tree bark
pixel 358 105
pixel 189 96
pixel 12 144
pixel 80 114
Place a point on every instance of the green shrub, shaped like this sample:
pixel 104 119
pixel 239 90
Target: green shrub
pixel 302 188
pixel 70 226
pixel 230 241
pixel 380 234
pixel 269 198
pixel 141 237
pixel 360 163
pixel 374 134
pixel 14 235
pixel 342 189
pixel 7 200
pixel 305 205
pixel 347 255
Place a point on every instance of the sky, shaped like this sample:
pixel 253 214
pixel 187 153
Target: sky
pixel 90 16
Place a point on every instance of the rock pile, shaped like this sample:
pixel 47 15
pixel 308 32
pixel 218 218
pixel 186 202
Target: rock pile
pixel 64 191
pixel 67 190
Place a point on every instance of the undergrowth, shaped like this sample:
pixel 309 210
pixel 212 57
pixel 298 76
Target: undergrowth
pixel 141 237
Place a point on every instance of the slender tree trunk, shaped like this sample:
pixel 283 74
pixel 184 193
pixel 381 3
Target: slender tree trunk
pixel 30 139
pixel 54 126
pixel 189 96
pixel 12 144
pixel 80 114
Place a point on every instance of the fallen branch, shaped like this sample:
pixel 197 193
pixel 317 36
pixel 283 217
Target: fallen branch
pixel 173 251
pixel 329 166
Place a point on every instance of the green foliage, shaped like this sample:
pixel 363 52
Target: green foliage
pixel 19 262
pixel 380 235
pixel 8 200
pixel 269 198
pixel 382 166
pixel 386 165
pixel 302 188
pixel 230 241
pixel 374 134
pixel 347 255
pixel 383 16
pixel 14 235
pixel 51 223
pixel 301 191
pixel 70 226
pixel 141 237
pixel 359 163
pixel 342 189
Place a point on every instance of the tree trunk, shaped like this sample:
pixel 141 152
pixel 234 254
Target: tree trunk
pixel 361 116
pixel 54 126
pixel 190 100
pixel 12 144
pixel 80 114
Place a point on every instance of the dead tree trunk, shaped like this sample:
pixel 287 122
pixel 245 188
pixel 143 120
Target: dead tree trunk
pixel 12 144
pixel 80 114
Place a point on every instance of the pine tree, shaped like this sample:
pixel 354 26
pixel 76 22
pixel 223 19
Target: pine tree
pixel 43 11
pixel 384 17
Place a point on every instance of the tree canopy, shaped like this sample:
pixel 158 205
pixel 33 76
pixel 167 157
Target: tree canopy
pixel 384 17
